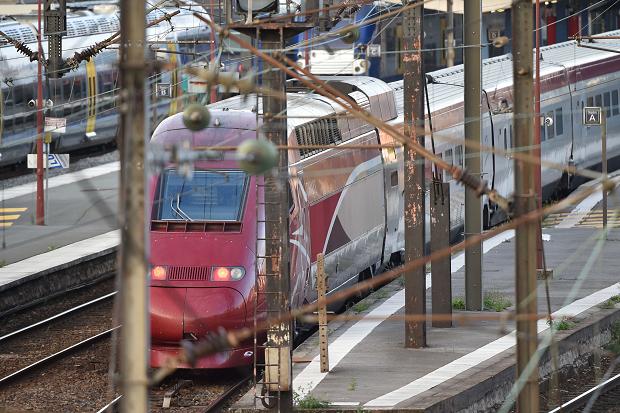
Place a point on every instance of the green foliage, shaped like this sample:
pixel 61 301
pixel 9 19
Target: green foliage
pixel 361 306
pixel 353 384
pixel 564 324
pixel 52 247
pixel 458 303
pixel 611 303
pixel 381 294
pixel 614 344
pixel 2 263
pixel 309 401
pixel 496 301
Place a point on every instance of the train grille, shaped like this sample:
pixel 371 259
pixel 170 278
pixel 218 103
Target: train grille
pixel 188 273
pixel 189 226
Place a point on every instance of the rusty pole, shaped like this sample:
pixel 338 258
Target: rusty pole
pixel 277 219
pixel 525 202
pixel 415 279
pixel 473 203
pixel 537 147
pixel 450 34
pixel 40 209
pixel 132 253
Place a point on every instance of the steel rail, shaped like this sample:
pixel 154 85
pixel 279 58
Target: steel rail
pixel 57 316
pixel 69 350
pixel 217 404
pixel 111 404
pixel 578 401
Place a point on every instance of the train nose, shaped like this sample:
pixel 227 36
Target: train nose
pixel 207 309
pixel 191 313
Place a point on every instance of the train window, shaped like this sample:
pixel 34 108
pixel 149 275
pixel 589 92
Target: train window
pixel 590 101
pixel 614 103
pixel 559 122
pixel 505 140
pixel 607 101
pixel 458 155
pixel 448 156
pixel 209 196
pixel 550 128
pixel 542 128
pixel 598 101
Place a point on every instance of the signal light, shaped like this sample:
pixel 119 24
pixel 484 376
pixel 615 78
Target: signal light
pixel 227 273
pixel 158 273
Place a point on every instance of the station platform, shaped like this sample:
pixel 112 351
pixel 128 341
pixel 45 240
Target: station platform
pixel 371 370
pixel 81 205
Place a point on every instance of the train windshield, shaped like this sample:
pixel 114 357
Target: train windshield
pixel 207 196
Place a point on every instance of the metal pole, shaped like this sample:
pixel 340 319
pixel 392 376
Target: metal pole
pixel 415 279
pixel 213 92
pixel 473 203
pixel 525 201
pixel 40 209
pixel 321 286
pixel 537 147
pixel 604 163
pixel 132 257
pixel 276 217
pixel 450 34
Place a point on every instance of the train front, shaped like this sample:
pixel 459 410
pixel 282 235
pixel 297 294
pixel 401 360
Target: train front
pixel 203 231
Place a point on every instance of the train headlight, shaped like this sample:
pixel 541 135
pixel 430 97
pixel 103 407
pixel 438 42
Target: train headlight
pixel 227 273
pixel 158 273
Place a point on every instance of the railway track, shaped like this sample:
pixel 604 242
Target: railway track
pixel 58 362
pixel 602 398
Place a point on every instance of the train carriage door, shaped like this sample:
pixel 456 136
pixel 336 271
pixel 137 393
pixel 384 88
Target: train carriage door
pixel 392 176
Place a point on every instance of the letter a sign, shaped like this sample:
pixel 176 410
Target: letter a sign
pixel 591 116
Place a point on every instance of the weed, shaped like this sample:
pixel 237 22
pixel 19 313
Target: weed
pixel 458 303
pixel 353 384
pixel 309 401
pixel 2 263
pixel 614 344
pixel 564 324
pixel 401 281
pixel 611 303
pixel 496 301
pixel 361 307
pixel 52 247
pixel 381 294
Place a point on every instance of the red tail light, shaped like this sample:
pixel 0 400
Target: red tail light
pixel 227 273
pixel 158 273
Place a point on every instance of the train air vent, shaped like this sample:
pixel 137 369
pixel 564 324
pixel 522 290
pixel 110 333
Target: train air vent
pixel 322 131
pixel 189 226
pixel 18 32
pixel 188 273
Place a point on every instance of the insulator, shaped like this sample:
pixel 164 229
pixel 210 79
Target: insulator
pixel 257 156
pixel 196 117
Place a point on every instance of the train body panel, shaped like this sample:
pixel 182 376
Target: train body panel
pixel 348 203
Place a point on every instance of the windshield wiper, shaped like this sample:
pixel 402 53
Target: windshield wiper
pixel 177 208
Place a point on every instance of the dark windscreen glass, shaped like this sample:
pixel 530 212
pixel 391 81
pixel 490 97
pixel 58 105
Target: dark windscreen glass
pixel 208 196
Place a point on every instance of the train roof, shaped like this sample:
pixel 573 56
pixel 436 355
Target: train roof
pixel 497 71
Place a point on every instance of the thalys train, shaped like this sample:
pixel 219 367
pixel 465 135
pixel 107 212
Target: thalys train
pixel 344 203
pixel 86 97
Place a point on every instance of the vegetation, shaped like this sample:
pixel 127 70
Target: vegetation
pixel 309 401
pixel 611 303
pixel 496 301
pixel 564 324
pixel 2 263
pixel 614 344
pixel 361 306
pixel 353 384
pixel 381 294
pixel 51 247
pixel 458 303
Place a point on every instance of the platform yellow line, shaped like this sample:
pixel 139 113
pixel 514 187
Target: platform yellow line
pixel 8 217
pixel 7 210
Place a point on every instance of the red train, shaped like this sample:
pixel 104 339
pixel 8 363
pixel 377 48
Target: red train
pixel 345 203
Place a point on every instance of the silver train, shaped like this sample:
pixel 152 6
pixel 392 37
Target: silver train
pixel 86 97
pixel 348 204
